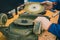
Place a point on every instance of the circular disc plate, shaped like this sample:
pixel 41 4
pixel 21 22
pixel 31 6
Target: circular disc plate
pixel 19 21
pixel 34 7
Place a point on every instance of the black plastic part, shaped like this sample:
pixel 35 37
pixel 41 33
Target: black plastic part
pixel 8 5
pixel 10 15
pixel 42 13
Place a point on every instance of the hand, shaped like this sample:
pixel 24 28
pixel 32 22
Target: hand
pixel 44 21
pixel 47 4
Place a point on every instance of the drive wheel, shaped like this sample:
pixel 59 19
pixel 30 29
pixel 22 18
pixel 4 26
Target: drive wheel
pixel 3 19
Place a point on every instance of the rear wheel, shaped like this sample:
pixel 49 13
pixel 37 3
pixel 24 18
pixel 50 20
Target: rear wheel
pixel 3 19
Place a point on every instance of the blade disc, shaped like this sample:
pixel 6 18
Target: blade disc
pixel 34 7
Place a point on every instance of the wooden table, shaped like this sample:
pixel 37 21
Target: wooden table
pixel 45 36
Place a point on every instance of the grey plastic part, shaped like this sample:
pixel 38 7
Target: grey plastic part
pixel 37 28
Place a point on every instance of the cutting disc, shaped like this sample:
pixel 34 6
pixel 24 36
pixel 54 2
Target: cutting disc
pixel 24 21
pixel 34 7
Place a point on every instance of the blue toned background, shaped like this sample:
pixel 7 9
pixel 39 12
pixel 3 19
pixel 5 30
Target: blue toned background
pixel 40 0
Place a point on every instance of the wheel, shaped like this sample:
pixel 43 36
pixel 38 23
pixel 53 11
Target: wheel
pixel 37 28
pixel 3 19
